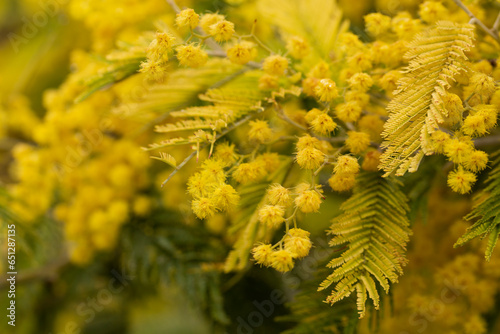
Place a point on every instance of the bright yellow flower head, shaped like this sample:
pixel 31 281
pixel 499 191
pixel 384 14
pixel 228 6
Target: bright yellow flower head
pixel 260 131
pixel 250 172
pixel 272 215
pixel 357 142
pixel 297 242
pixel 461 181
pixel 377 24
pixel 222 30
pixel 346 164
pixel 279 195
pixel 308 201
pixel 371 161
pixel 476 161
pixel 282 260
pixel 208 20
pixel 203 207
pixel 457 150
pixel 323 124
pixel 187 18
pixel 297 47
pixel 275 65
pixel 326 90
pixel 225 197
pixel 348 112
pixel 361 81
pixel 310 158
pixel 191 55
pixel 432 11
pixel 242 53
pixel 342 182
pixel 262 254
pixel 438 140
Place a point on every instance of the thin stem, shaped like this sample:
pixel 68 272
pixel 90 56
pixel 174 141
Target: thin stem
pixel 496 25
pixel 474 19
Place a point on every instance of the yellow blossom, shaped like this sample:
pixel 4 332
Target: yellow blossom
pixel 461 181
pixel 342 182
pixel 308 201
pixel 262 254
pixel 323 124
pixel 225 197
pixel 208 20
pixel 476 161
pixel 203 207
pixel 191 55
pixel 377 24
pixel 297 242
pixel 357 142
pixel 279 195
pixel 297 47
pixel 310 158
pixel 346 164
pixel 282 260
pixel 272 215
pixel 348 112
pixel 457 150
pixel 438 140
pixel 242 53
pixel 371 161
pixel 222 30
pixel 268 82
pixel 187 18
pixel 275 65
pixel 260 131
pixel 361 81
pixel 250 172
pixel 326 90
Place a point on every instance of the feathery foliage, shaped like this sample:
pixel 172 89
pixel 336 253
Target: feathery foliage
pixel 374 227
pixel 486 212
pixel 416 111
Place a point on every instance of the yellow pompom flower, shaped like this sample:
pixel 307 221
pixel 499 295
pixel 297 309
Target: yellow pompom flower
pixel 360 98
pixel 242 53
pixel 225 197
pixel 297 47
pixel 197 185
pixel 371 161
pixel 438 141
pixel 279 195
pixel 360 61
pixel 319 71
pixel 271 161
pixel 187 18
pixel 297 242
pixel 159 48
pixel 191 55
pixel 275 65
pixel 222 30
pixel 262 254
pixel 272 215
pixel 346 164
pixel 312 114
pixel 482 85
pixel 307 141
pixel 308 201
pixel 361 81
pixel 225 153
pixel 457 150
pixel 389 81
pixel 326 90
pixel 452 105
pixel 461 181
pixel 377 24
pixel 310 158
pixel 323 124
pixel 489 112
pixel 474 125
pixel 342 182
pixel 476 161
pixel 357 142
pixel 250 172
pixel 208 20
pixel 348 112
pixel 432 11
pixel 282 260
pixel 260 131
pixel 203 207
pixel 213 171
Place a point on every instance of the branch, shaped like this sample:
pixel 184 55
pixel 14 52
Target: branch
pixel 46 273
pixel 493 32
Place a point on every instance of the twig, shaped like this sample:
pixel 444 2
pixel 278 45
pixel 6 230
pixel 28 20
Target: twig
pixel 496 24
pixel 486 141
pixel 46 273
pixel 222 134
pixel 492 32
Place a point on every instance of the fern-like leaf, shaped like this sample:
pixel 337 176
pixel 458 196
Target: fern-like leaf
pixel 375 228
pixel 435 57
pixel 487 212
